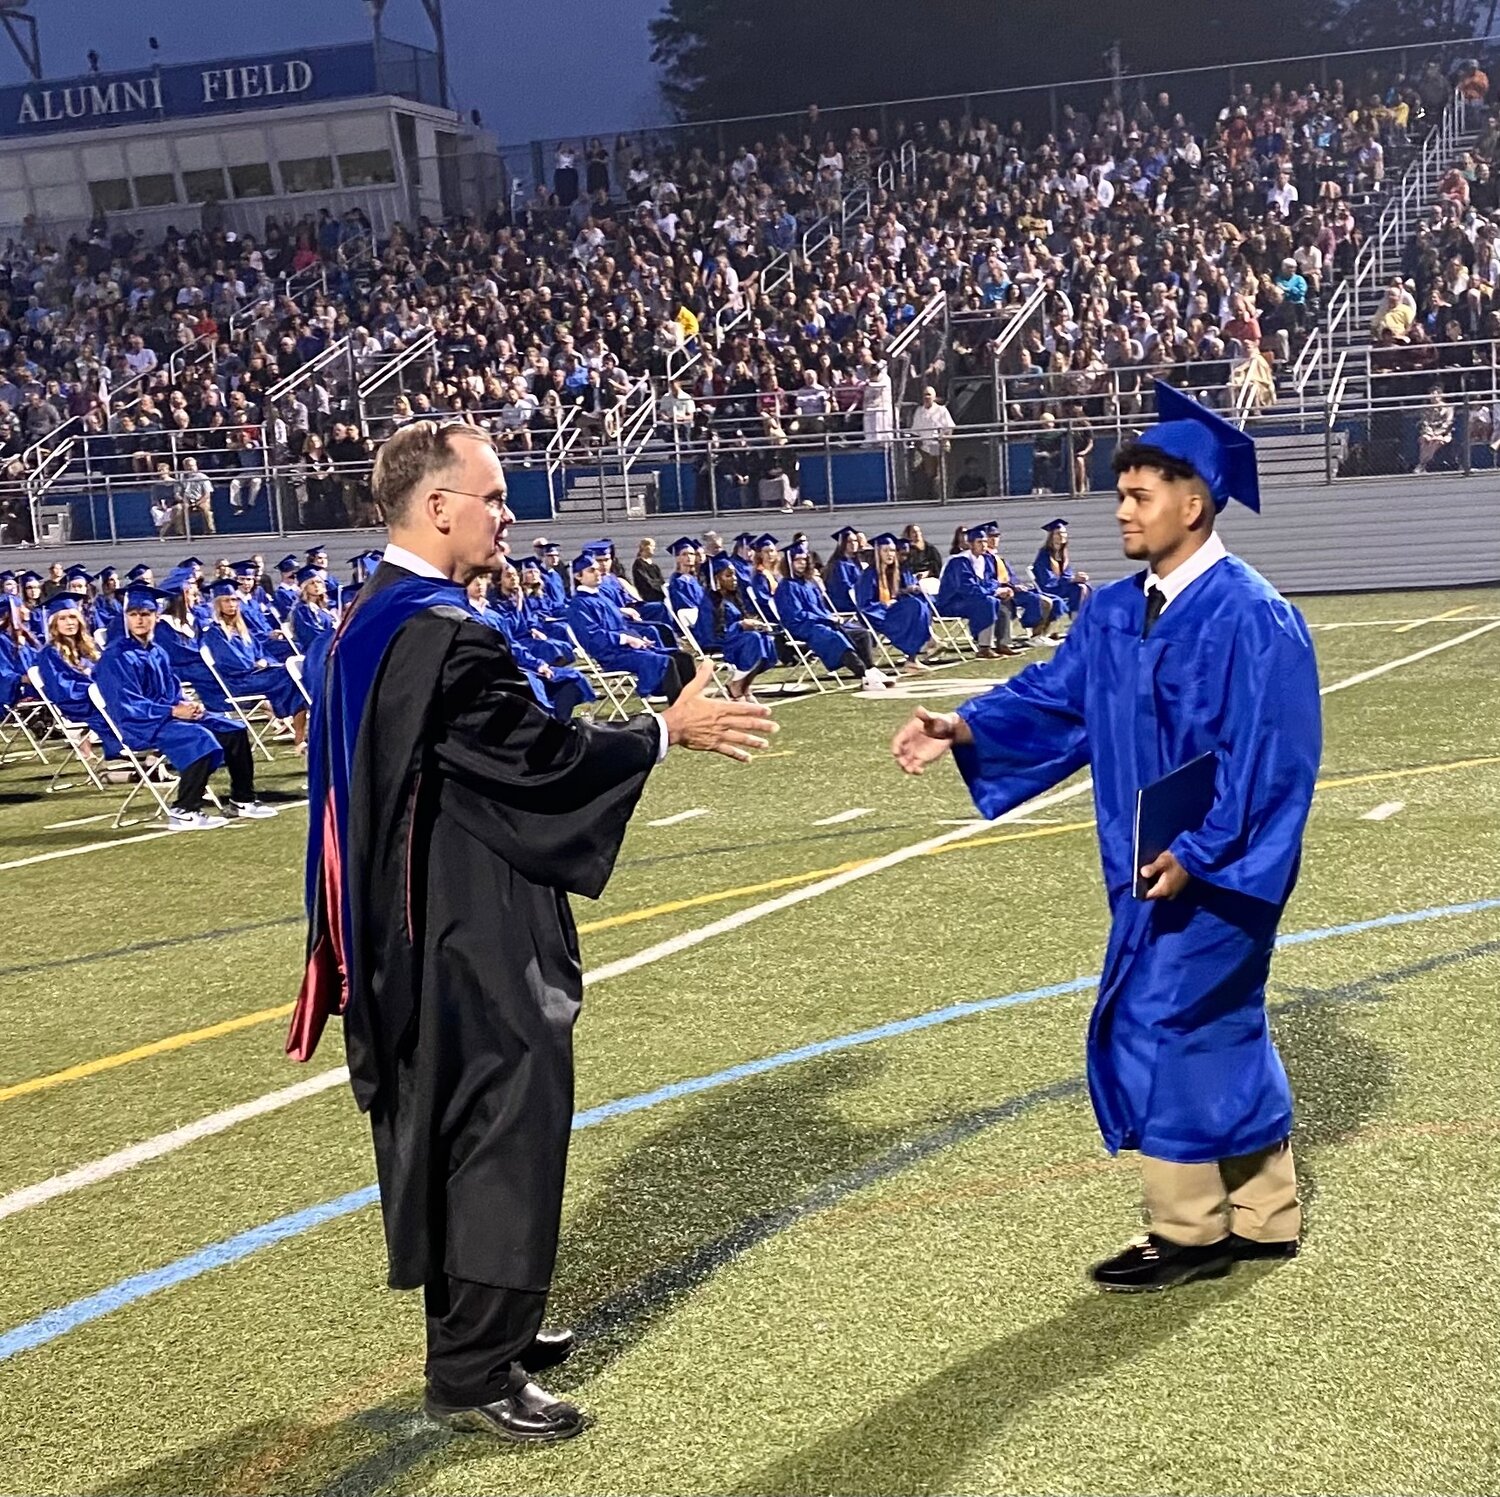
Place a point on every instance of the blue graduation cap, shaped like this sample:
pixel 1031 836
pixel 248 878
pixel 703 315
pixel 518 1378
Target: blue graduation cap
pixel 139 595
pixel 584 562
pixel 245 569
pixel 1058 524
pixel 795 549
pixel 550 548
pixel 885 538
pixel 992 528
pixel 683 543
pixel 599 548
pixel 136 572
pixel 9 576
pixel 28 577
pixel 61 603
pixel 307 574
pixel 529 564
pixel 976 532
pixel 1218 452
pixel 902 544
pixel 175 580
pixel 313 551
pixel 347 594
pixel 107 574
pixel 77 571
pixel 190 561
pixel 844 532
pixel 223 587
pixel 288 563
pixel 767 539
pixel 744 538
pixel 718 563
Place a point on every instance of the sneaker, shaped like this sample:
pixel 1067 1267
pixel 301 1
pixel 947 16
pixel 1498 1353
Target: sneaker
pixel 874 674
pixel 252 810
pixel 193 821
pixel 874 684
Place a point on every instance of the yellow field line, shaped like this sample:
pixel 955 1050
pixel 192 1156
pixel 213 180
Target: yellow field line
pixel 1436 618
pixel 632 917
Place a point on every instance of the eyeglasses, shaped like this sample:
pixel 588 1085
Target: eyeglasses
pixel 495 496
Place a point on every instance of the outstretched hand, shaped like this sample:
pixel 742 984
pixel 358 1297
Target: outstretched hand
pixel 717 725
pixel 926 737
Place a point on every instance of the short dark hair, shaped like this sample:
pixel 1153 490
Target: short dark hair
pixel 1130 455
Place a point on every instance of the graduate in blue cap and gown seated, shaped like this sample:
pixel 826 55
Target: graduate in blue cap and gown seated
pixel 1195 655
pixel 19 648
pixel 554 579
pixel 969 590
pixel 311 615
pixel 617 644
pixel 522 617
pixel 255 610
pixel 146 702
pixel 655 620
pixel 109 613
pixel 558 688
pixel 742 557
pixel 765 576
pixel 685 586
pixel 31 602
pixel 1054 571
pixel 537 609
pixel 246 671
pixel 841 575
pixel 284 597
pixel 1030 605
pixel 723 627
pixel 67 663
pixel 889 598
pixel 803 608
pixel 179 636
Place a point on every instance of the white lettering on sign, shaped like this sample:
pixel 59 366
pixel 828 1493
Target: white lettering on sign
pixel 89 101
pixel 256 81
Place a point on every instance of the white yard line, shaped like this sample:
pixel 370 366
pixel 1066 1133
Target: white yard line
pixel 62 826
pixel 1470 618
pixel 1384 811
pixel 853 814
pixel 166 1143
pixel 680 816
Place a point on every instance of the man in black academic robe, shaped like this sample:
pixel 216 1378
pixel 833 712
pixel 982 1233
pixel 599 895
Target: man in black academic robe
pixel 451 817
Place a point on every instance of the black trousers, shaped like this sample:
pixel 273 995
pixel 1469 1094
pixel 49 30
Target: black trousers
pixel 681 669
pixel 475 1333
pixel 194 779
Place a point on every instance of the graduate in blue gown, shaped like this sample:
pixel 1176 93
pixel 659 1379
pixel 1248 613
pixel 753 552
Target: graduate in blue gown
pixel 246 671
pixel 617 644
pixel 1196 655
pixel 179 636
pixel 284 596
pixel 260 619
pixel 146 702
pixel 554 580
pixel 109 612
pixel 724 627
pixel 559 688
pixel 19 648
pixel 654 618
pixel 765 576
pixel 531 600
pixel 742 557
pixel 67 663
pixel 311 615
pixel 841 575
pixel 1030 605
pixel 889 598
pixel 803 609
pixel 1054 572
pixel 685 587
pixel 968 590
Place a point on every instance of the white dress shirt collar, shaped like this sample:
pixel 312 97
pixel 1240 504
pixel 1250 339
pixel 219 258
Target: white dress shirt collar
pixel 399 556
pixel 1209 554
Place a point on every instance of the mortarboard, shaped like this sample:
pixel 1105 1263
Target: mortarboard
pixel 902 544
pixel 844 532
pixel 175 580
pixel 885 538
pixel 8 576
pixel 992 528
pixel 529 564
pixel 683 543
pixel 347 594
pixel 107 574
pixel 287 564
pixel 313 551
pixel 976 532
pixel 136 572
pixel 744 538
pixel 551 548
pixel 139 595
pixel 190 561
pixel 28 577
pixel 307 574
pixel 717 564
pixel 584 562
pixel 223 587
pixel 762 541
pixel 76 570
pixel 1219 453
pixel 795 549
pixel 245 569
pixel 61 602
pixel 1058 524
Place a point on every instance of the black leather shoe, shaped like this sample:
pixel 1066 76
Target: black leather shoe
pixel 1151 1262
pixel 1248 1250
pixel 547 1350
pixel 528 1415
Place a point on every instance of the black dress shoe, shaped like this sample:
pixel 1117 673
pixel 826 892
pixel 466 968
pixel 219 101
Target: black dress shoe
pixel 1247 1249
pixel 547 1349
pixel 1151 1262
pixel 528 1415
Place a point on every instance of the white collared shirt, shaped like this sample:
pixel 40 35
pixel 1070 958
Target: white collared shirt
pixel 399 556
pixel 1209 554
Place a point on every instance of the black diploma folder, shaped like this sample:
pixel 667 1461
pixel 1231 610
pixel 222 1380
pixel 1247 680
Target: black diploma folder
pixel 1178 802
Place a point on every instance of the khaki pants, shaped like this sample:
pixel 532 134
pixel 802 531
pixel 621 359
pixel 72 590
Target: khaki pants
pixel 1253 1196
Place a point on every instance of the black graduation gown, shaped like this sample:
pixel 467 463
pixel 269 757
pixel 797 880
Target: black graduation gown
pixel 471 815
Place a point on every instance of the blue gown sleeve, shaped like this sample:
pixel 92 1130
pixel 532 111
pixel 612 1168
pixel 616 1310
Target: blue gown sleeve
pixel 1251 841
pixel 120 680
pixel 1029 733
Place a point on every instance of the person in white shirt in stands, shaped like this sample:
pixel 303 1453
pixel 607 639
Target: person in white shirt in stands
pixel 1282 193
pixel 932 426
pixel 811 400
pixel 675 412
pixel 514 429
pixel 138 358
pixel 879 418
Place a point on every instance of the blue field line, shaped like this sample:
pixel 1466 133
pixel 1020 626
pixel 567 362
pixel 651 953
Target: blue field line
pixel 69 1317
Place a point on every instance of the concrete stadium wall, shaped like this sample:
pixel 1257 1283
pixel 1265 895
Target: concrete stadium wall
pixel 1442 531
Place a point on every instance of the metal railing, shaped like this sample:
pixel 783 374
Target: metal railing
pixel 422 349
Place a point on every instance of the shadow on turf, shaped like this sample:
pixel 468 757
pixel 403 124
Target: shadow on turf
pixel 752 1161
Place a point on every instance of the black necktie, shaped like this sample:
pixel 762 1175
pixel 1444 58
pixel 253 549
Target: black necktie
pixel 1156 600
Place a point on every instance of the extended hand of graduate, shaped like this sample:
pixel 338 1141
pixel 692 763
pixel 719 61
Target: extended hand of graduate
pixel 926 737
pixel 716 724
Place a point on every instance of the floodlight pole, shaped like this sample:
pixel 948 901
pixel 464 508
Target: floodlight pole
pixel 434 9
pixel 15 19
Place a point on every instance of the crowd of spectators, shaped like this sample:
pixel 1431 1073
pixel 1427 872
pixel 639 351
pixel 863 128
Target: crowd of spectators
pixel 749 297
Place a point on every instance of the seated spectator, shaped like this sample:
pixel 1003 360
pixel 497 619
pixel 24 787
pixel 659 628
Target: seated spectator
pixel 193 495
pixel 1434 428
pixel 970 483
pixel 146 702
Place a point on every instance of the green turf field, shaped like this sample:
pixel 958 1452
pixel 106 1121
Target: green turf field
pixel 855 1271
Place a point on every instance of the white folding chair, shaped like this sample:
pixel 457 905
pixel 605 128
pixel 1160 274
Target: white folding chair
pixel 804 662
pixel 75 735
pixel 683 620
pixel 951 633
pixel 294 668
pixel 614 688
pixel 252 708
pixel 154 776
pixel 19 724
